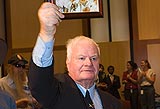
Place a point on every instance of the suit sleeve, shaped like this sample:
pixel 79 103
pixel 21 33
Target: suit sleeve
pixel 117 83
pixel 42 84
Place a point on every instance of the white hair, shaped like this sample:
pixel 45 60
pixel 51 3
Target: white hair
pixel 72 42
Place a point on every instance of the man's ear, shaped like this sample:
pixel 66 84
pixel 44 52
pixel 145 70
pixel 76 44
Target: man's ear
pixel 67 63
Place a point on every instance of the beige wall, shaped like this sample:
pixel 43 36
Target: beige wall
pixel 119 22
pixel 99 26
pixel 68 29
pixel 148 19
pixel 154 58
pixel 24 22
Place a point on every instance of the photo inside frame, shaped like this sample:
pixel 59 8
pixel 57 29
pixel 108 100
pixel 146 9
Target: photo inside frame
pixel 77 6
pixel 77 9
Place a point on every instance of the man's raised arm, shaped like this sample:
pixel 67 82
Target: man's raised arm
pixel 41 80
pixel 49 18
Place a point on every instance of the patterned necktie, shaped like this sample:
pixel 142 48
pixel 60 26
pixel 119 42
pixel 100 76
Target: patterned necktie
pixel 88 100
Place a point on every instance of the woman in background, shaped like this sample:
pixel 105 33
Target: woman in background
pixel 146 80
pixel 130 80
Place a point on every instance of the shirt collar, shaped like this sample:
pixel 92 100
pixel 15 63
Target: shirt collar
pixel 83 90
pixel 110 74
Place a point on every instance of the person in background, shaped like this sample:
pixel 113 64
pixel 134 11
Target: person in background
pixel 146 80
pixel 16 82
pixel 130 81
pixel 6 100
pixel 76 89
pixel 100 84
pixel 101 73
pixel 112 82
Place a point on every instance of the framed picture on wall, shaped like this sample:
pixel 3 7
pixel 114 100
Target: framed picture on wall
pixel 77 9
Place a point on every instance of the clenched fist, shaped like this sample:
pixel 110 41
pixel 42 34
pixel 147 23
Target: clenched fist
pixel 49 18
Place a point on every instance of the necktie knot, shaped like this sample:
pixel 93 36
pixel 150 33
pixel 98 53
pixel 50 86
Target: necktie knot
pixel 87 94
pixel 88 100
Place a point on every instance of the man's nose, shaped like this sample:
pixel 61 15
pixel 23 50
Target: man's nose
pixel 88 61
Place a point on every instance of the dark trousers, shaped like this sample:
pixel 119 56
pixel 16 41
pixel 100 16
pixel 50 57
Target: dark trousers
pixel 132 96
pixel 147 97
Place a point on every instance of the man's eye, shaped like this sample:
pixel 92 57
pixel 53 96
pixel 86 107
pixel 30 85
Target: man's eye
pixel 81 58
pixel 93 58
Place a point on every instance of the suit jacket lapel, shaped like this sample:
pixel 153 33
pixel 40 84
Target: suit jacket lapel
pixel 74 86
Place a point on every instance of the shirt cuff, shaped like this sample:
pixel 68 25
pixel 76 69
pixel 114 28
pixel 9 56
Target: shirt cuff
pixel 42 54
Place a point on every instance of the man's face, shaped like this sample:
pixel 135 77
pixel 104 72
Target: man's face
pixel 19 76
pixel 84 62
pixel 18 68
pixel 101 69
pixel 111 70
pixel 19 72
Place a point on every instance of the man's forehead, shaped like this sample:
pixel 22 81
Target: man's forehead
pixel 85 51
pixel 84 55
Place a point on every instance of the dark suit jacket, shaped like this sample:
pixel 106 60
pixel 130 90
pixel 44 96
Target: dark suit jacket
pixel 113 87
pixel 62 92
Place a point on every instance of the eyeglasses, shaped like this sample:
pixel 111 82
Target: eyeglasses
pixel 19 65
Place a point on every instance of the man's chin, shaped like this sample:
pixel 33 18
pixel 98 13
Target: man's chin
pixel 89 77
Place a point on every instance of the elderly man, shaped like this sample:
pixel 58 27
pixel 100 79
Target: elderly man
pixel 16 82
pixel 77 88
